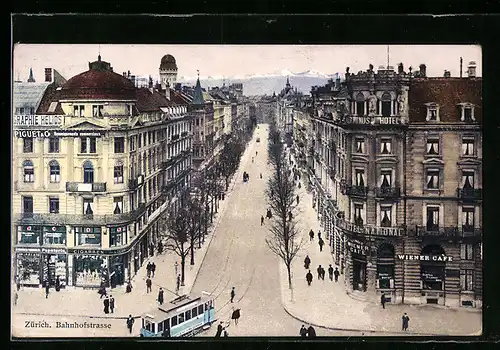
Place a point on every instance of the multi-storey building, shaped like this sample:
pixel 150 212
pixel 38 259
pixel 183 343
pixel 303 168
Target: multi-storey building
pixel 88 181
pixel 397 183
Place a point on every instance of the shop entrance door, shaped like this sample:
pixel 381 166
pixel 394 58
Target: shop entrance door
pixel 359 275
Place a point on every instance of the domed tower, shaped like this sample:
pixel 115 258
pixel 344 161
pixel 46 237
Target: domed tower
pixel 168 71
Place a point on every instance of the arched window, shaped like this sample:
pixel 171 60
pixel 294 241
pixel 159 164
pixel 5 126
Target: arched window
pixel 28 171
pixel 386 104
pixel 360 104
pixel 55 171
pixel 88 172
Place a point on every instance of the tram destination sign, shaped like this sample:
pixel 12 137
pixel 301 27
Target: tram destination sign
pixel 37 120
pixel 441 258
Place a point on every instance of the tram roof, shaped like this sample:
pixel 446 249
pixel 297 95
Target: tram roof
pixel 172 307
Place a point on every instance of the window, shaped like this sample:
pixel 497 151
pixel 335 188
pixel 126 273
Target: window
pixel 360 145
pixel 468 219
pixel 83 145
pixel 28 171
pixel 174 320
pixel 432 223
pixel 468 146
pixel 433 146
pixel 97 110
pixel 118 173
pixel 386 178
pixel 360 104
pixel 54 205
pixel 467 179
pixel 358 214
pixel 79 111
pixel 88 235
pixel 385 146
pixel 117 236
pixel 360 177
pixel 466 280
pixel 119 144
pixel 118 205
pixel 188 315
pixel 200 309
pixel 54 235
pixel 27 204
pixel 386 104
pixel 54 145
pixel 466 251
pixel 194 312
pixel 28 145
pixel 88 204
pixel 88 172
pixel 432 112
pixel 385 214
pixel 432 179
pixel 55 171
pixel 467 116
pixel 181 318
pixel 139 140
pixel 88 145
pixel 93 145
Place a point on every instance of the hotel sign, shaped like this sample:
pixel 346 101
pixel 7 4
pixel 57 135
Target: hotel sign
pixel 373 120
pixel 58 133
pixel 442 258
pixel 38 120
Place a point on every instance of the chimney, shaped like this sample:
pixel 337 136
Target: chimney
pixel 167 91
pixel 128 74
pixel 132 78
pixel 48 75
pixel 423 72
pixel 461 62
pixel 472 69
pixel 337 83
pixel 401 68
pixel 125 74
pixel 447 74
pixel 150 85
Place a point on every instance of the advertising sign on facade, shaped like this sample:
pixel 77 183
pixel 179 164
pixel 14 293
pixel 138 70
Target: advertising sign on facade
pixel 37 120
pixel 57 133
pixel 442 258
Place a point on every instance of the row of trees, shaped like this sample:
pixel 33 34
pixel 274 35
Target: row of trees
pixel 185 225
pixel 284 239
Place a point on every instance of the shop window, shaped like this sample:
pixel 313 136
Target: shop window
pixel 88 235
pixel 88 206
pixel 28 145
pixel 55 171
pixel 118 174
pixel 468 146
pixel 432 220
pixel 432 272
pixel 54 144
pixel 89 270
pixel 385 146
pixel 119 144
pixel 97 111
pixel 386 216
pixel 467 280
pixel 117 236
pixel 54 235
pixel 54 205
pixel 433 146
pixel 467 179
pixel 359 145
pixel 28 171
pixel 385 266
pixel 27 204
pixel 29 234
pixel 432 179
pixel 88 172
pixel 28 268
pixel 118 205
pixel 466 251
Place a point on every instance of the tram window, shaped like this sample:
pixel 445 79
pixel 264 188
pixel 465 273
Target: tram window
pixel 148 326
pixel 188 315
pixel 181 318
pixel 200 309
pixel 160 327
pixel 165 324
pixel 153 327
pixel 194 312
pixel 174 321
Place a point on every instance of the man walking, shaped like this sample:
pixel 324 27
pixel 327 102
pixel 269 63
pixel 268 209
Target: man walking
pixel 330 272
pixel 130 323
pixel 290 216
pixel 297 199
pixel 148 285
pixel 303 332
pixel 336 273
pixel 261 220
pixel 220 328
pixel 111 304
pixel 47 289
pixel 148 269
pixel 232 294
pixel 319 272
pixel 321 244
pixel 153 268
pixel 160 296
pixel 322 273
pixel 319 235
pixel 106 305
pixel 405 320
pixel 309 277
pixel 178 285
pixel 382 300
pixel 311 332
pixel 311 235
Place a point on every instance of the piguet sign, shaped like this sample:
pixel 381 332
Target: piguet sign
pixel 441 258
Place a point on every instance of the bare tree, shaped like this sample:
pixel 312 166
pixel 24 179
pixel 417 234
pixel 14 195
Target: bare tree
pixel 230 159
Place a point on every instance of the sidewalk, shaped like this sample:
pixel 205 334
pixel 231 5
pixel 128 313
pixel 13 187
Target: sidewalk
pixel 326 303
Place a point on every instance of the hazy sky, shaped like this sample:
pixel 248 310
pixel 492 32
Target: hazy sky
pixel 240 60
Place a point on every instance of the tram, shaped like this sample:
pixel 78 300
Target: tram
pixel 182 317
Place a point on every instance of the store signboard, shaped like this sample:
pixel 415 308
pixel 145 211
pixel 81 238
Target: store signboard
pixel 37 120
pixel 357 247
pixel 53 250
pixel 441 258
pixel 23 133
pixel 27 250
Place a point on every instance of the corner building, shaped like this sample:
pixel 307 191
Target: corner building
pixel 89 186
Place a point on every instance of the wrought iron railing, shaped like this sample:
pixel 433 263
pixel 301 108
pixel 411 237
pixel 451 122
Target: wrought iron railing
pixel 85 187
pixel 470 193
pixel 387 192
pixel 357 191
pixel 436 231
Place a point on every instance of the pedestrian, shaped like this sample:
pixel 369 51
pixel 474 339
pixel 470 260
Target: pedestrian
pixel 151 249
pixel 290 215
pixel 307 262
pixel 319 235
pixel 321 244
pixel 129 287
pixel 153 268
pixel 160 247
pixel 322 273
pixel 303 332
pixel 160 296
pixel 148 269
pixel 405 320
pixel 148 285
pixel 382 300
pixel 311 333
pixel 130 323
pixel 232 294
pixel 106 305
pixel 309 277
pixel 330 272
pixel 16 296
pixel 226 334
pixel 336 273
pixel 299 185
pixel 235 316
pixel 111 304
pixel 102 290
pixel 47 289
pixel 219 330
pixel 311 235
pixel 256 152
pixel 297 199
pixel 178 286
pixel 261 220
pixel 319 272
pixel 261 175
pixel 252 159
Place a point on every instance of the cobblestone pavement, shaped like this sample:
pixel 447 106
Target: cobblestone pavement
pixel 327 303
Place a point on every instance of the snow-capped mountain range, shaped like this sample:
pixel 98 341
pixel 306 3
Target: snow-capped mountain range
pixel 282 73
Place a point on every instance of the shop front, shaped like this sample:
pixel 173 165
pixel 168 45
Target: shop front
pixel 385 270
pixel 54 267
pixel 358 264
pixel 28 266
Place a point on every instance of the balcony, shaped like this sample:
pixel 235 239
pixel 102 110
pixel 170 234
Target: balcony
pixel 470 194
pixel 357 191
pixel 436 231
pixel 85 187
pixel 388 192
pixel 175 137
pixel 184 134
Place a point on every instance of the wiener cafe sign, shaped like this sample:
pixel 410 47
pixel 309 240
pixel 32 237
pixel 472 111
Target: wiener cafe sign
pixel 440 258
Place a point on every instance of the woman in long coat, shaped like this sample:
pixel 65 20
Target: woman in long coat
pixel 235 316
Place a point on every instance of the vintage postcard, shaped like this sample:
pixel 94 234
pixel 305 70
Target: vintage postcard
pixel 246 190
